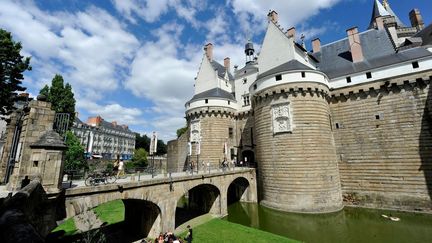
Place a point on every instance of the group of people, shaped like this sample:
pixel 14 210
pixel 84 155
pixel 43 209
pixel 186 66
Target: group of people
pixel 169 237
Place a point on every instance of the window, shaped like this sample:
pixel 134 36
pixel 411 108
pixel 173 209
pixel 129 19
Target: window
pixel 255 86
pixel 415 64
pixel 379 116
pixel 278 77
pixel 303 74
pixel 368 75
pixel 244 80
pixel 337 125
pixel 230 132
pixel 229 102
pixel 206 101
pixel 35 163
pixel 246 100
pixel 348 79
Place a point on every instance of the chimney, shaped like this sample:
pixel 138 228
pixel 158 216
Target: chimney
pixel 272 16
pixel 355 45
pixel 209 51
pixel 291 32
pixel 114 123
pixel 416 19
pixel 316 45
pixel 227 63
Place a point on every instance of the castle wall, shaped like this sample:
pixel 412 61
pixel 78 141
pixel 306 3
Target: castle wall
pixel 245 135
pixel 177 153
pixel 214 132
pixel 384 142
pixel 298 168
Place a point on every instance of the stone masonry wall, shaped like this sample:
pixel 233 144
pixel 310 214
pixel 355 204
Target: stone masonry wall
pixel 214 133
pixel 384 143
pixel 297 170
pixel 39 119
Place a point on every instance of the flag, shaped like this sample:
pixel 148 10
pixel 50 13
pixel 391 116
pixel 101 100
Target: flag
pixel 198 148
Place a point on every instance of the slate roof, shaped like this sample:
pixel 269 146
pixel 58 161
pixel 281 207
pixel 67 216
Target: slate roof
pixel 50 139
pixel 379 10
pixel 221 70
pixel 213 93
pixel 426 35
pixel 246 70
pixel 288 66
pixel 335 58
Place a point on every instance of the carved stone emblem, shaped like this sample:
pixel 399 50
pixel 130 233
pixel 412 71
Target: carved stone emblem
pixel 281 118
pixel 195 131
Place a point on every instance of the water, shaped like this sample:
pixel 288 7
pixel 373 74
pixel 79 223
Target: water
pixel 348 225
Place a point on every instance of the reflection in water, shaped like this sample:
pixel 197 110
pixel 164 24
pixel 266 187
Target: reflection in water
pixel 348 225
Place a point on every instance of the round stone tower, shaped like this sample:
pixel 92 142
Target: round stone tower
pixel 211 122
pixel 296 155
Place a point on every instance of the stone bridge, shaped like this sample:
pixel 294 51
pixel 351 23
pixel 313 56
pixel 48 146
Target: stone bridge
pixel 150 206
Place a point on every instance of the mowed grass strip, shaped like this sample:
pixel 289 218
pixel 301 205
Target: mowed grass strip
pixel 110 212
pixel 68 226
pixel 218 230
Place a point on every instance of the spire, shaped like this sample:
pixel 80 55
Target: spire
pixel 378 11
pixel 390 11
pixel 249 51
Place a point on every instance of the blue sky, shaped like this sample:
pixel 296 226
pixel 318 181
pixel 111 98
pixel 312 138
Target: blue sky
pixel 134 61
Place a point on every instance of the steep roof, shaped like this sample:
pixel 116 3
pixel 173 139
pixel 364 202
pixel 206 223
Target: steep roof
pixel 335 58
pixel 221 70
pixel 213 93
pixel 377 11
pixel 398 21
pixel 288 66
pixel 426 35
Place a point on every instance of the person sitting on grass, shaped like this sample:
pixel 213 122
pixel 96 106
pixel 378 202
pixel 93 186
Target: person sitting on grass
pixel 188 237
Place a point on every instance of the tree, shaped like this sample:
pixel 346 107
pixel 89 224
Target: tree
pixel 12 66
pixel 74 159
pixel 180 131
pixel 142 141
pixel 161 148
pixel 61 97
pixel 139 158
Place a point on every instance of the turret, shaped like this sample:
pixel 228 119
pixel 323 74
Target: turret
pixel 249 51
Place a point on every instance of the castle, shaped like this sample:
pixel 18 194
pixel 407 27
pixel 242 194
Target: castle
pixel 347 123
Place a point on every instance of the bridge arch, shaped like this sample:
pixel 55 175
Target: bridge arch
pixel 237 190
pixel 142 217
pixel 198 200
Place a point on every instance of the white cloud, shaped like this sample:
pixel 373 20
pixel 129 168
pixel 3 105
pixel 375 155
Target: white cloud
pixel 252 13
pixel 151 10
pixel 112 112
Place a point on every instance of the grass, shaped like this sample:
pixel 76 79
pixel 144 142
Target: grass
pixel 68 226
pixel 110 212
pixel 218 230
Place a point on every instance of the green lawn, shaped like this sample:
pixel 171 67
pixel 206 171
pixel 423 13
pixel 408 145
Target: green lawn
pixel 110 212
pixel 68 226
pixel 218 230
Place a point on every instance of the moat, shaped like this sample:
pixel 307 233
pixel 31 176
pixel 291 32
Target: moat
pixel 348 225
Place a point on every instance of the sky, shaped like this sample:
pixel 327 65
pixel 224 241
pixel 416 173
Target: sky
pixel 134 61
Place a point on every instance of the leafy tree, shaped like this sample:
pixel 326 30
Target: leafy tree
pixel 161 148
pixel 180 131
pixel 61 97
pixel 74 159
pixel 12 66
pixel 139 158
pixel 142 141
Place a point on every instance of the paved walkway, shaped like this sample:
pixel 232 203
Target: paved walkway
pixel 148 177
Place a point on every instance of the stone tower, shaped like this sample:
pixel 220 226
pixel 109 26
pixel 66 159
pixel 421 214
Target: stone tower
pixel 210 113
pixel 296 154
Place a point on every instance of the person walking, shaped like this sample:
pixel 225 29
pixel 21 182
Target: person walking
pixel 120 169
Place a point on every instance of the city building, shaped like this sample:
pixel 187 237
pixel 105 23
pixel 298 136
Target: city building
pixel 348 122
pixel 102 139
